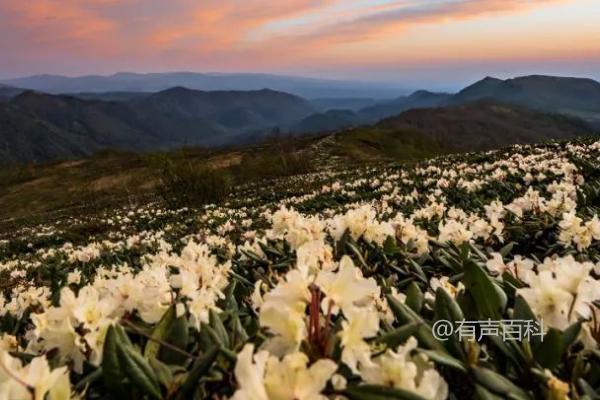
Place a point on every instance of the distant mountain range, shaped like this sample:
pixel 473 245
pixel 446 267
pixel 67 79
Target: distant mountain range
pixel 569 96
pixel 36 126
pixel 483 125
pixel 8 92
pixel 335 119
pixel 572 96
pixel 480 125
pixel 154 82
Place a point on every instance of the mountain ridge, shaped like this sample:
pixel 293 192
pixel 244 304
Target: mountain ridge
pixel 49 126
pixel 180 117
pixel 157 81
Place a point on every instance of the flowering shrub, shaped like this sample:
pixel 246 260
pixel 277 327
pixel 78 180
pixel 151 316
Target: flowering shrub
pixel 320 286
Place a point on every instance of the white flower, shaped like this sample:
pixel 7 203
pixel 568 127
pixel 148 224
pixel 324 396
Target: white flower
pixel 401 370
pixel 444 283
pixel 346 288
pixel 44 383
pixel 250 371
pixel 358 222
pixel 574 231
pixel 314 256
pixel 361 323
pixel 454 232
pixel 283 312
pixel 295 228
pixel 408 233
pixel 548 300
pixel 496 264
pixel 288 327
pixel 74 277
pixel 265 377
pixel 256 298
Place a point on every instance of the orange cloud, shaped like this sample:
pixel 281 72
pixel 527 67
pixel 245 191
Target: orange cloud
pixel 221 34
pixel 56 20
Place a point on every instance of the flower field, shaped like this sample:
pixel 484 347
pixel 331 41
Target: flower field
pixel 320 286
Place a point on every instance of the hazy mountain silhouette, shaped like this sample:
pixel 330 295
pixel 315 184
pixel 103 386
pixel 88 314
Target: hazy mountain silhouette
pixel 569 96
pixel 39 127
pixel 153 82
pixel 573 96
pixel 352 103
pixel 36 126
pixel 484 125
pixel 8 92
pixel 326 121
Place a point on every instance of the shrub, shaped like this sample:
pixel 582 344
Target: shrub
pixel 186 183
pixel 267 165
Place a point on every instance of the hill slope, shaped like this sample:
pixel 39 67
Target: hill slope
pixel 8 92
pixel 231 109
pixel 577 97
pixel 42 127
pixel 573 96
pixel 334 119
pixel 411 135
pixel 476 126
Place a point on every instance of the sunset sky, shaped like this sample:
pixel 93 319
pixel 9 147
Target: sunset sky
pixel 440 43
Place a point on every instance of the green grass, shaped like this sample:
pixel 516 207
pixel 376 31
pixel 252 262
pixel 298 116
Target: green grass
pixel 366 144
pixel 191 176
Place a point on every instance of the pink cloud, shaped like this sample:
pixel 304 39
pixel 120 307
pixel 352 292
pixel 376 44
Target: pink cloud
pixel 211 34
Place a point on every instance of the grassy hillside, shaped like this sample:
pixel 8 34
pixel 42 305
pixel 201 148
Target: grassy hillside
pixel 116 177
pixel 109 178
pixel 322 284
pixel 484 125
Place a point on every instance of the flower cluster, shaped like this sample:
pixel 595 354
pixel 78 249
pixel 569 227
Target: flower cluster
pixel 319 286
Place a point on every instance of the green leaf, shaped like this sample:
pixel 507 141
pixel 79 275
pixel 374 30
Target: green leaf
pixel 406 315
pixel 488 297
pixel 177 336
pixel 208 337
pixel 509 349
pixel 414 297
pixel 217 325
pixel 389 246
pixel 373 392
pixel 89 379
pixel 139 370
pixel 122 336
pixel 112 373
pixel 571 334
pixel 505 251
pixel 200 367
pixel 481 393
pixel 160 333
pixel 522 311
pixel 445 359
pixel 549 352
pixel 356 251
pixel 498 384
pixel 587 389
pixel 446 308
pixel 415 265
pixel 238 336
pixel 230 301
pixel 163 372
pixel 398 336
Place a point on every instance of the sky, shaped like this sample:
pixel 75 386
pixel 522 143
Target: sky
pixel 425 43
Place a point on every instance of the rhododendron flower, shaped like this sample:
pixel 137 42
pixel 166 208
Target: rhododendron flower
pixel 402 370
pixel 264 377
